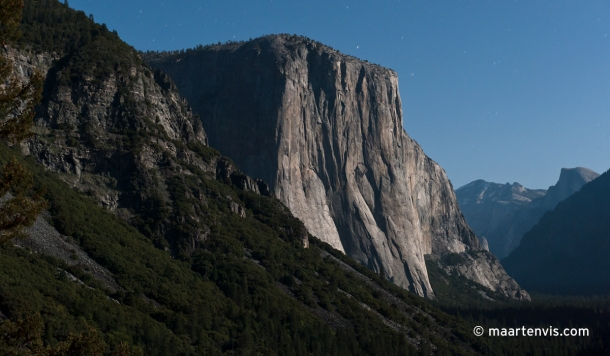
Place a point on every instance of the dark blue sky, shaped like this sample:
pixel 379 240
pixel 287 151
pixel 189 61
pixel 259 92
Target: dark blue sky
pixel 498 90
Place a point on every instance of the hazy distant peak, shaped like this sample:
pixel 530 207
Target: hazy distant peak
pixel 570 181
pixel 474 183
pixel 488 208
pixel 480 191
pixel 583 173
pixel 503 212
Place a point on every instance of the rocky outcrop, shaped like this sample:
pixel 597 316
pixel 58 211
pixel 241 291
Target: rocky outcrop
pixel 570 181
pixel 483 268
pixel 484 244
pixel 325 130
pixel 44 239
pixel 502 213
pixel 125 137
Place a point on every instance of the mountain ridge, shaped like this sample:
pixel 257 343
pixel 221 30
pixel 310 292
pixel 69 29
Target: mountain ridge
pixel 502 213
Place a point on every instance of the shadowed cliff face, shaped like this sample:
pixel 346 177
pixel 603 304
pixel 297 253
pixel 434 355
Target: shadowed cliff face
pixel 326 131
pixel 130 142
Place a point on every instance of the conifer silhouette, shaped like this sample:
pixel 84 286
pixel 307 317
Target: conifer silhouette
pixel 19 206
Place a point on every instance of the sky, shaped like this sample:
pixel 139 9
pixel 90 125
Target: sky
pixel 504 90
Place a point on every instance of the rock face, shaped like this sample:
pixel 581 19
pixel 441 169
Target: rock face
pixel 502 213
pixel 483 268
pixel 566 252
pixel 125 137
pixel 493 211
pixel 44 239
pixel 325 130
pixel 570 181
pixel 484 244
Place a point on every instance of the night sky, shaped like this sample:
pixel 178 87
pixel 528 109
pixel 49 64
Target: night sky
pixel 506 91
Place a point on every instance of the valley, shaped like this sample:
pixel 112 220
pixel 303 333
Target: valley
pixel 263 197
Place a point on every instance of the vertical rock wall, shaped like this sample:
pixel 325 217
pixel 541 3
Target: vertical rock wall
pixel 326 131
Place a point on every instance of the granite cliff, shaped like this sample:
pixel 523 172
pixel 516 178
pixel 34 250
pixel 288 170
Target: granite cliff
pixel 502 213
pixel 570 181
pixel 325 131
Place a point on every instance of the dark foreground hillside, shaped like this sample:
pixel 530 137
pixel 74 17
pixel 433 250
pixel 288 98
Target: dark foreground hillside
pixel 250 287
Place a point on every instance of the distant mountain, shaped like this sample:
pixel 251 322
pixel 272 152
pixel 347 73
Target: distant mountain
pixel 570 181
pixel 502 213
pixel 495 212
pixel 567 251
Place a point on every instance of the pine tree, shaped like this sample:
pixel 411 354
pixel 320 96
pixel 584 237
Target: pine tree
pixel 24 337
pixel 19 206
pixel 10 17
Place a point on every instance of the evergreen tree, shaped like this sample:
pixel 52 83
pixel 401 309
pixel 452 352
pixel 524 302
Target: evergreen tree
pixel 10 16
pixel 17 100
pixel 24 337
pixel 22 207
